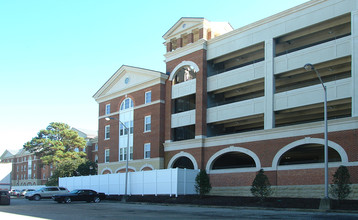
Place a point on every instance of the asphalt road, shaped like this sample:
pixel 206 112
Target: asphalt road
pixel 48 209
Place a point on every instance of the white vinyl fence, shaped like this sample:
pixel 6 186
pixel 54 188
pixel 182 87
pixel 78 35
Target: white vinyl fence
pixel 156 182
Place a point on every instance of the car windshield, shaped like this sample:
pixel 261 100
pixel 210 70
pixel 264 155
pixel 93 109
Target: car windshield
pixel 74 191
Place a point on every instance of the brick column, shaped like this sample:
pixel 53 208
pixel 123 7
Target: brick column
pixel 354 71
pixel 190 38
pixel 201 33
pixel 201 98
pixel 179 42
pixel 169 46
pixel 168 111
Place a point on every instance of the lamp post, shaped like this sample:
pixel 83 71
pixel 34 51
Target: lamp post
pixel 310 67
pixel 127 156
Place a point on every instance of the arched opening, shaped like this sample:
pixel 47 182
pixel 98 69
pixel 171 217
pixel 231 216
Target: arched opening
pixel 184 74
pixel 308 153
pixel 106 172
pixel 232 160
pixel 124 170
pixel 183 162
pixel 146 169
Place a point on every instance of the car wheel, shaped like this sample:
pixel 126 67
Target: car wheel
pixel 37 197
pixel 68 200
pixel 96 199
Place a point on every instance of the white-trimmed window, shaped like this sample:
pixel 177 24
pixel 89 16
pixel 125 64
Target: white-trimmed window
pixel 147 123
pixel 123 130
pixel 148 97
pixel 126 104
pixel 107 132
pixel 96 158
pixel 106 156
pixel 146 150
pixel 108 109
pixel 96 147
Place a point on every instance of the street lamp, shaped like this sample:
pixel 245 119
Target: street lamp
pixel 127 156
pixel 310 67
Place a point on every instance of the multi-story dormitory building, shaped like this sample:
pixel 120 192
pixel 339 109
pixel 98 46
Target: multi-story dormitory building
pixel 235 101
pixel 28 170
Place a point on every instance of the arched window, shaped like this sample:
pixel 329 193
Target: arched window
pixel 126 104
pixel 126 116
pixel 308 153
pixel 184 74
pixel 183 162
pixel 233 160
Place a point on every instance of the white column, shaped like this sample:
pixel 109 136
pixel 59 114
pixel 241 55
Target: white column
pixel 354 72
pixel 269 117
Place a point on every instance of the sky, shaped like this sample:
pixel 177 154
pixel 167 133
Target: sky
pixel 56 54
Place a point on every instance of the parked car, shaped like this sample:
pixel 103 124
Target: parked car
pixel 25 191
pixel 4 197
pixel 45 192
pixel 80 195
pixel 14 192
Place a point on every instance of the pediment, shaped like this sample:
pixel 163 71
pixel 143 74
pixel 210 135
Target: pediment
pixel 127 78
pixel 183 25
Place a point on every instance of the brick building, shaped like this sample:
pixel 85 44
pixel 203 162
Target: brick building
pixel 235 101
pixel 28 170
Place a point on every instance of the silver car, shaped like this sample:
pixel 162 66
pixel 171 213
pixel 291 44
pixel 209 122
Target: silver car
pixel 45 192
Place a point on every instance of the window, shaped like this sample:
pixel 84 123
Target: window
pixel 106 156
pixel 147 151
pixel 96 159
pixel 127 103
pixel 96 147
pixel 106 132
pixel 123 130
pixel 108 109
pixel 123 153
pixel 147 123
pixel 148 97
pixel 34 166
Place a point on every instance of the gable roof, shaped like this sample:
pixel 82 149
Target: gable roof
pixel 127 79
pixel 178 26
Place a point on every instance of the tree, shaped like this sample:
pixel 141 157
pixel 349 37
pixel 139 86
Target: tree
pixel 341 188
pixel 65 168
pixel 56 143
pixel 87 168
pixel 202 183
pixel 261 186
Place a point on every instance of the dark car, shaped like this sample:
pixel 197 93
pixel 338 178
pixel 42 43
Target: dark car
pixel 4 197
pixel 80 195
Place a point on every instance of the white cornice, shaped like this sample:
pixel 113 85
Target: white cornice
pixel 267 20
pixel 132 89
pixel 269 134
pixel 187 49
pixel 137 107
pixel 121 72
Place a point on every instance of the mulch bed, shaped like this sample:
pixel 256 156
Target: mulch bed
pixel 297 203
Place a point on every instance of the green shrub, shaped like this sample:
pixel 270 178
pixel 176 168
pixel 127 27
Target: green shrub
pixel 202 183
pixel 341 188
pixel 261 187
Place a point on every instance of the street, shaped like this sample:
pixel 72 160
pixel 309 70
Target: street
pixel 48 209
